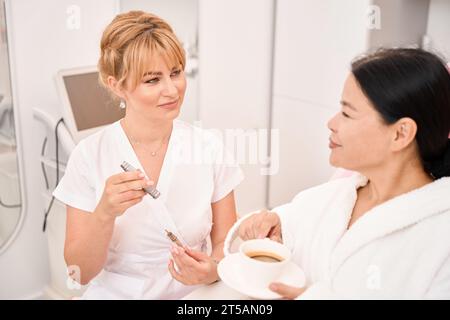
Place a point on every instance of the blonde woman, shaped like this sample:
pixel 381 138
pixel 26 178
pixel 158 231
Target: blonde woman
pixel 116 233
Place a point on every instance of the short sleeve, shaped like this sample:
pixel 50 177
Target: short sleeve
pixel 227 173
pixel 76 188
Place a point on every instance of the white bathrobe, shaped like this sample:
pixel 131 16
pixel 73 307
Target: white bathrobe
pixel 397 250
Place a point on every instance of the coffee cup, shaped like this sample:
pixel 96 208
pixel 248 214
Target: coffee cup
pixel 262 261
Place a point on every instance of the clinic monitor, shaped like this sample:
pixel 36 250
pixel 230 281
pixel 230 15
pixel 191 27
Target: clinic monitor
pixel 87 106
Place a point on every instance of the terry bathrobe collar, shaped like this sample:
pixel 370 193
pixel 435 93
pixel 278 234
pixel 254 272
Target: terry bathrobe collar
pixel 398 213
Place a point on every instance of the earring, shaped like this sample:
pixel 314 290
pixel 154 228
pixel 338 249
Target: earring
pixel 122 104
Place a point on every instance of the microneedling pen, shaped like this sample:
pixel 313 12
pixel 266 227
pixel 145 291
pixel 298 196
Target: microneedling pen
pixel 173 238
pixel 150 189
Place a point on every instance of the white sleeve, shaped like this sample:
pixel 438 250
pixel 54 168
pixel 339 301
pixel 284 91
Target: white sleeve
pixel 440 287
pixel 285 213
pixel 291 220
pixel 227 173
pixel 76 188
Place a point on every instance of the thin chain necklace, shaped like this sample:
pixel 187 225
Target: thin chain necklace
pixel 153 153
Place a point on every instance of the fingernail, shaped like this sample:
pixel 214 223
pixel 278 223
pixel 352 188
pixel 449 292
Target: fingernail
pixel 149 183
pixel 141 175
pixel 174 250
pixel 273 286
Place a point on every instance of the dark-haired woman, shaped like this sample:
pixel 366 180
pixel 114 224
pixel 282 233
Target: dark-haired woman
pixel 383 233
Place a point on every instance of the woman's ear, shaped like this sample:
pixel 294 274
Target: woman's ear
pixel 115 87
pixel 405 131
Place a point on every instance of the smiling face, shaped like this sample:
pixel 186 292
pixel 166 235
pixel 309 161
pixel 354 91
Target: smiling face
pixel 359 138
pixel 142 62
pixel 160 93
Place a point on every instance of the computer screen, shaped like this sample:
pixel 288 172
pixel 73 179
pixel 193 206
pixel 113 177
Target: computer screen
pixel 91 104
pixel 87 106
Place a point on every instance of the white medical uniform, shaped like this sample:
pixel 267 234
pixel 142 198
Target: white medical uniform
pixel 196 172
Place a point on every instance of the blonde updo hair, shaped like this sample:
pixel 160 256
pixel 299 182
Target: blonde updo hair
pixel 128 44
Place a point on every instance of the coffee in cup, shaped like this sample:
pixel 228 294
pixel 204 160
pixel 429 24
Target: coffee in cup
pixel 262 261
pixel 265 256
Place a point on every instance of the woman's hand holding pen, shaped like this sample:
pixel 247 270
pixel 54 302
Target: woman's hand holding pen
pixel 121 192
pixel 194 267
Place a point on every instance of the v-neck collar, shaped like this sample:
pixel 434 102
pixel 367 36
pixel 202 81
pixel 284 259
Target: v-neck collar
pixel 390 216
pixel 167 165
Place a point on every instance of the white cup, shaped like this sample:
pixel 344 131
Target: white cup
pixel 260 274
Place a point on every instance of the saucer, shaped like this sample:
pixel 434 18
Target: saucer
pixel 228 270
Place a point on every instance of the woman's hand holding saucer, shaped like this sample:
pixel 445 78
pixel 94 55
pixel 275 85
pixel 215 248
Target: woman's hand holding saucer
pixel 287 292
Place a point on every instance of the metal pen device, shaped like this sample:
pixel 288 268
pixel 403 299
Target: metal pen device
pixel 150 189
pixel 173 238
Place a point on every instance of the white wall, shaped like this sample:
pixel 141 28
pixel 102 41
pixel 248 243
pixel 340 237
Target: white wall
pixel 403 23
pixel 235 39
pixel 180 14
pixel 4 74
pixel 314 44
pixel 438 28
pixel 41 44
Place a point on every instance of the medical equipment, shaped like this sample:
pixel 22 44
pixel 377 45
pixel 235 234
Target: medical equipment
pixel 173 238
pixel 150 190
pixel 86 105
pixel 60 121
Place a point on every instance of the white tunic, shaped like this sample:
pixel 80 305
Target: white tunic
pixel 397 250
pixel 196 172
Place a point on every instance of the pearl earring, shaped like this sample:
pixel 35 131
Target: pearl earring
pixel 122 104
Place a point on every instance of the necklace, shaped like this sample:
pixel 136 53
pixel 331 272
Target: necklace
pixel 153 153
